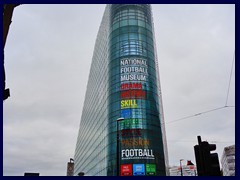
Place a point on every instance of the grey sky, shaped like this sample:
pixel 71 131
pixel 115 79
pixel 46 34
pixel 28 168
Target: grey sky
pixel 47 61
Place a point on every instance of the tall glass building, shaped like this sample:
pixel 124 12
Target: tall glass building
pixel 122 128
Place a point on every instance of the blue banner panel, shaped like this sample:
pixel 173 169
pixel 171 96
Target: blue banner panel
pixel 126 113
pixel 138 170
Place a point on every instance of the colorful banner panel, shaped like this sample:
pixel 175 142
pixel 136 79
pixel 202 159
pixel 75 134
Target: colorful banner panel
pixel 133 123
pixel 133 113
pixel 138 170
pixel 150 169
pixel 126 170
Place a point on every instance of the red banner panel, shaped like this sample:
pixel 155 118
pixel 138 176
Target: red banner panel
pixel 135 93
pixel 126 169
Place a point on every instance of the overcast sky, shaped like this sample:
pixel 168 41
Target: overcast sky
pixel 47 61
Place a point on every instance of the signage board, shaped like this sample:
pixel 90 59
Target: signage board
pixel 126 169
pixel 126 113
pixel 135 142
pixel 138 170
pixel 135 93
pixel 130 103
pixel 133 113
pixel 133 123
pixel 137 154
pixel 150 169
pixel 131 132
pixel 130 85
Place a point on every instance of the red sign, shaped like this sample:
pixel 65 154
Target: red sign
pixel 126 170
pixel 128 86
pixel 191 167
pixel 136 93
pixel 131 132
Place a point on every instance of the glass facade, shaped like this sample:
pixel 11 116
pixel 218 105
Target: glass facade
pixel 123 83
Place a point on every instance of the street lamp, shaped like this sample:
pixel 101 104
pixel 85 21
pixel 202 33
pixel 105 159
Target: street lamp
pixel 71 160
pixel 117 151
pixel 181 166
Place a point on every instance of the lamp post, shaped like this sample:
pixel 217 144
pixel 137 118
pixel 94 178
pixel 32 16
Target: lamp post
pixel 181 167
pixel 117 150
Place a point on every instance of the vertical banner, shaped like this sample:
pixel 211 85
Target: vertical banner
pixel 133 95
